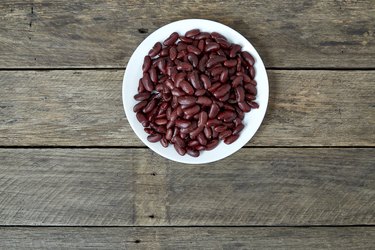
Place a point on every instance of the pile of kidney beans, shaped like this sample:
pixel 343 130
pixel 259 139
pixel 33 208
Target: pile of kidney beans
pixel 194 91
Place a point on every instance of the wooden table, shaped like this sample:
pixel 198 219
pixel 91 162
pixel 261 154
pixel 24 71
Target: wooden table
pixel 74 175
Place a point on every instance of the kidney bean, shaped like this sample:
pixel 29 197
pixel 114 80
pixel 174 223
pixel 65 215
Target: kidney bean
pixel 187 100
pixel 202 139
pixel 240 94
pixel 253 82
pixel 194 80
pixel 192 152
pixel 215 60
pixel 200 92
pixel 231 139
pixel 192 110
pixel 179 110
pixel 240 113
pixel 238 129
pixel 207 132
pixel 202 63
pixel 252 72
pixel 222 90
pixel 185 66
pixel 171 71
pixel 213 122
pixel 150 106
pixel 224 134
pixel 220 128
pixel 196 132
pixel 251 89
pixel 213 111
pixel 164 142
pixel 161 129
pixel 244 106
pixel 182 54
pixel 234 50
pixel 177 92
pixel 161 121
pixel 153 75
pixel 202 35
pixel 211 145
pixel 223 43
pixel 171 39
pixel 193 143
pixel 253 105
pixel 185 86
pixel 212 46
pixel 249 59
pixel 169 134
pixel 154 138
pixel 149 131
pixel 193 49
pixel 181 151
pixel 206 81
pixel 146 64
pixel 193 59
pixel 169 84
pixel 142 119
pixel 202 119
pixel 146 80
pixel 224 76
pixel 204 101
pixel 139 106
pixel 192 33
pixel 214 87
pixel 221 52
pixel 164 52
pixel 142 96
pixel 179 77
pixel 201 45
pixel 155 49
pixel 182 123
pixel 238 80
pixel 141 87
pixel 173 53
pixel 231 71
pixel 200 147
pixel 227 115
pixel 216 71
pixel 249 97
pixel 186 39
pixel 230 63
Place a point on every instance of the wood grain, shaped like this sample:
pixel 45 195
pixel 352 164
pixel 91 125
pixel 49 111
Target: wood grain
pixel 84 108
pixel 187 238
pixel 100 33
pixel 255 186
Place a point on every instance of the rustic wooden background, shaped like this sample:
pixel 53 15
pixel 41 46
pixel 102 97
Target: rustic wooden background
pixel 74 175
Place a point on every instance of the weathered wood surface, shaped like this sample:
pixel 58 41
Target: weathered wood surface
pixel 84 108
pixel 126 187
pixel 187 238
pixel 102 33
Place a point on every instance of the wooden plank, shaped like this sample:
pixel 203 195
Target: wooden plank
pixel 84 108
pixel 187 238
pixel 126 187
pixel 102 33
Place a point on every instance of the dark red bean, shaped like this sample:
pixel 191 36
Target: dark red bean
pixel 200 147
pixel 244 106
pixel 249 97
pixel 139 106
pixel 192 152
pixel 253 105
pixel 150 106
pixel 252 72
pixel 155 49
pixel 202 63
pixel 171 71
pixel 249 59
pixel 224 134
pixel 213 122
pixel 225 97
pixel 200 92
pixel 169 84
pixel 186 39
pixel 185 86
pixel 240 93
pixel 214 87
pixel 182 123
pixel 250 89
pixel 202 119
pixel 192 110
pixel 141 87
pixel 234 50
pixel 181 46
pixel 153 75
pixel 217 35
pixel 230 63
pixel 169 134
pixel 220 128
pixel 237 81
pixel 154 138
pixel 178 92
pixel 161 121
pixel 212 47
pixel 224 76
pixel 146 64
pixel 204 101
pixel 193 49
pixel 182 54
pixel 164 142
pixel 206 81
pixel 253 82
pixel 201 45
pixel 238 129
pixel 179 77
pixel 193 143
pixel 223 43
pixel 185 66
pixel 161 129
pixel 142 96
pixel 181 151
pixel 213 111
pixel 202 139
pixel 192 32
pixel 142 119
pixel 216 71
pixel 147 83
pixel 213 144
pixel 187 100
pixel 196 132
pixel 207 132
pixel 164 52
pixel 173 53
pixel 171 39
pixel 194 80
pixel 231 139
pixel 215 60
pixel 227 115
pixel 149 131
pixel 179 110
pixel 202 35
pixel 222 90
pixel 193 59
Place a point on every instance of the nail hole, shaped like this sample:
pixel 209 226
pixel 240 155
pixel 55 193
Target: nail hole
pixel 152 216
pixel 137 241
pixel 143 30
pixel 153 174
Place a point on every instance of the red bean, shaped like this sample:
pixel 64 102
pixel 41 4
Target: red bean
pixel 224 134
pixel 193 59
pixel 244 106
pixel 213 111
pixel 249 59
pixel 200 92
pixel 213 122
pixel 179 77
pixel 216 71
pixel 185 86
pixel 204 101
pixel 173 53
pixel 250 89
pixel 150 106
pixel 223 43
pixel 194 80
pixel 222 90
pixel 164 142
pixel 139 106
pixel 227 115
pixel 164 52
pixel 193 49
pixel 171 39
pixel 161 121
pixel 231 139
pixel 207 132
pixel 181 151
pixel 177 92
pixel 185 66
pixel 213 144
pixel 155 50
pixel 141 87
pixel 192 33
pixel 212 47
pixel 142 119
pixel 153 75
pixel 224 76
pixel 202 139
pixel 202 35
pixel 196 132
pixel 187 100
pixel 234 50
pixel 220 128
pixel 186 39
pixel 252 72
pixel 240 94
pixel 206 81
pixel 146 64
pixel 201 45
pixel 202 119
pixel 215 60
pixel 238 129
pixel 192 110
pixel 147 83
pixel 200 147
pixel 142 96
pixel 192 152
pixel 237 81
pixel 253 105
pixel 154 138
pixel 193 143
pixel 149 131
pixel 202 63
pixel 181 46
pixel 225 97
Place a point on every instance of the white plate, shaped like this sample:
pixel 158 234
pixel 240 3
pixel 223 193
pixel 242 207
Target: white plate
pixel 133 73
